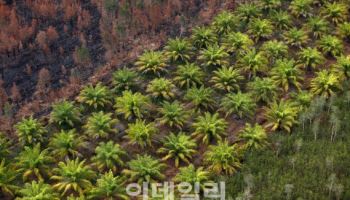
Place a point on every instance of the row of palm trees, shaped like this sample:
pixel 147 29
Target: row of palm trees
pixel 264 60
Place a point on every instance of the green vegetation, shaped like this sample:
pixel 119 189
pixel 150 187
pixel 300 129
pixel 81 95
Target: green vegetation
pixel 258 98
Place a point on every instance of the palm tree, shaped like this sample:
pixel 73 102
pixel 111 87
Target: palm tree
pixel 335 11
pixel 343 30
pixel 7 177
pixel 271 4
pixel 191 175
pixel 65 114
pixel 241 104
pixel 281 116
pixel 310 58
pixel 30 131
pixel 200 97
pixel 203 37
pixel 132 104
pixel 189 75
pixel 302 99
pixel 37 191
pixel 260 28
pixel 109 187
pixel 342 66
pixel 141 133
pixel 100 125
pixel 152 62
pixel 224 22
pixel 318 26
pixel 331 45
pixel 208 127
pixel 125 79
pixel 263 89
pixel 173 114
pixel 179 147
pixel 275 49
pixel 281 19
pixel 73 176
pixel 255 137
pixel 178 50
pixel 5 145
pixel 253 62
pixel 248 11
pixel 237 42
pixel 97 97
pixel 325 84
pixel 67 144
pixel 222 158
pixel 296 37
pixel 286 73
pixel 144 168
pixel 33 163
pixel 301 8
pixel 227 79
pixel 108 156
pixel 161 88
pixel 214 56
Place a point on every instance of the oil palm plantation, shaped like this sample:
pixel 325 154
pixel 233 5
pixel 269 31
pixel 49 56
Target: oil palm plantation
pixel 66 144
pixel 208 127
pixel 310 58
pixel 260 29
pixel 192 175
pixel 141 133
pixel 325 84
pixel 37 191
pixel 173 114
pixel 203 37
pixel 30 131
pixel 342 66
pixel 253 62
pixel 33 163
pixel 100 125
pixel 109 187
pixel 296 37
pixel 254 136
pixel 161 88
pixel 237 42
pixel 331 45
pixel 73 176
pixel 263 89
pixel 271 4
pixel 224 22
pixel 222 158
pixel 65 114
pixel 5 146
pixel 286 73
pixel 179 147
pixel 240 104
pixel 7 178
pixel 132 105
pixel 227 79
pixel 189 75
pixel 200 97
pixel 275 49
pixel 318 26
pixel 125 79
pixel 281 116
pixel 108 156
pixel 336 12
pixel 343 30
pixel 214 56
pixel 302 99
pixel 178 50
pixel 152 62
pixel 281 19
pixel 95 97
pixel 301 8
pixel 144 168
pixel 248 11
